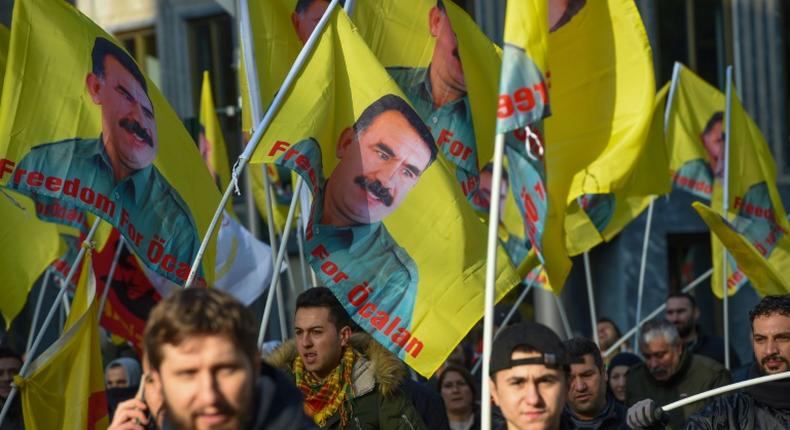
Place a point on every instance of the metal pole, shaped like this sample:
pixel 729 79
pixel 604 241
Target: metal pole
pixel 300 244
pixel 725 207
pixel 491 251
pixel 278 262
pixel 244 158
pixel 39 301
pixel 642 267
pixel 591 298
pixel 725 389
pixel 48 320
pixel 108 285
pixel 655 313
pixel 565 324
pixel 281 301
pixel 349 8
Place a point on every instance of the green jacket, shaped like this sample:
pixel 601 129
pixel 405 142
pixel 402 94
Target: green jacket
pixel 695 375
pixel 378 402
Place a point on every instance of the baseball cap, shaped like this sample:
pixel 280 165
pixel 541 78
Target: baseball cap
pixel 534 336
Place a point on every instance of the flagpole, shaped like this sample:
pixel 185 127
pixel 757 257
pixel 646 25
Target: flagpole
pixel 300 244
pixel 591 298
pixel 244 158
pixel 281 301
pixel 110 275
pixel 654 314
pixel 725 389
pixel 349 8
pixel 509 315
pixel 491 251
pixel 39 301
pixel 278 262
pixel 251 69
pixel 564 317
pixel 642 267
pixel 725 207
pixel 86 244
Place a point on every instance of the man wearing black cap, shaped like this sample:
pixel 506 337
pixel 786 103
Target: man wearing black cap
pixel 529 377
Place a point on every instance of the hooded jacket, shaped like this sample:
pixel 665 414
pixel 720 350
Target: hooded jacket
pixel 759 407
pixel 278 405
pixel 377 401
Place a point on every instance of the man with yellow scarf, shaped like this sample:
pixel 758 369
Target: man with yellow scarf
pixel 348 381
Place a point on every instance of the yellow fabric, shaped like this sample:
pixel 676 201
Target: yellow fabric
pixel 27 247
pixel 602 94
pixel 750 166
pixel 65 386
pixel 217 156
pixel 37 45
pixel 694 102
pixel 767 276
pixel 340 80
pixel 4 39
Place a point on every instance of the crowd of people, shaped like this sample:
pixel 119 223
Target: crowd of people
pixel 203 370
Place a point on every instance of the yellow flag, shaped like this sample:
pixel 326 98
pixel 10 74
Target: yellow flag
pixel 694 123
pixel 4 37
pixel 767 276
pixel 754 208
pixel 111 146
pixel 212 141
pixel 276 47
pixel 448 69
pixel 602 97
pixel 390 230
pixel 523 103
pixel 28 247
pixel 65 384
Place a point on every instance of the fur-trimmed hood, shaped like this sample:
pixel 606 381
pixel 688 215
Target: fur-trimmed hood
pixel 378 367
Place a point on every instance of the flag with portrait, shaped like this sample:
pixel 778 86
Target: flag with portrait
pixel 390 231
pixel 602 97
pixel 112 145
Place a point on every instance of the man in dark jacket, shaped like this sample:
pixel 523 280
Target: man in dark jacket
pixel 668 374
pixel 682 311
pixel 205 362
pixel 348 381
pixel 764 406
pixel 590 406
pixel 10 363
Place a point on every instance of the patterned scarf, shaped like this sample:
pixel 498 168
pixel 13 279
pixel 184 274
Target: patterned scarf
pixel 324 398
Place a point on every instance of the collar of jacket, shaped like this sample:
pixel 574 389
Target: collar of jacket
pixel 377 367
pixel 608 413
pixel 685 362
pixel 773 394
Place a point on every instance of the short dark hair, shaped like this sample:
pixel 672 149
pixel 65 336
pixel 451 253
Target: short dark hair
pixel 470 380
pixel 7 352
pixel 323 297
pixel 391 102
pixel 770 305
pixel 578 347
pixel 440 5
pixel 199 312
pixel 102 48
pixel 609 321
pixel 717 117
pixel 682 295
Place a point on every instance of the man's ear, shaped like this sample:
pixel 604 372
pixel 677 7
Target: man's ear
pixel 345 335
pixel 492 389
pixel 435 20
pixel 695 312
pixel 346 137
pixel 93 83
